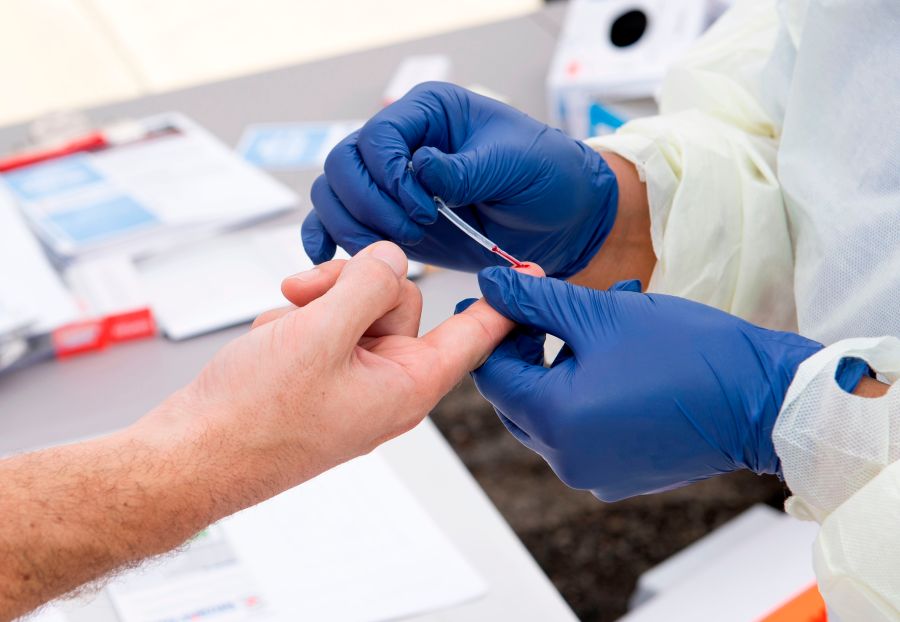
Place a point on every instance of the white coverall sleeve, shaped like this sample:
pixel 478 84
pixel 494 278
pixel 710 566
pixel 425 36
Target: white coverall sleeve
pixel 815 80
pixel 839 167
pixel 839 456
pixel 718 222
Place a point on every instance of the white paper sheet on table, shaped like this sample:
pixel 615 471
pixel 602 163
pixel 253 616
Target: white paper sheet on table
pixel 352 545
pixel 47 614
pixel 30 290
pixel 225 281
pixel 206 580
pixel 221 282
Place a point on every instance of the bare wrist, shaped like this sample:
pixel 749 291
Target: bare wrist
pixel 628 251
pixel 869 387
pixel 225 458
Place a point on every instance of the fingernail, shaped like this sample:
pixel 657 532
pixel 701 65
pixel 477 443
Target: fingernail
pixel 308 275
pixel 392 256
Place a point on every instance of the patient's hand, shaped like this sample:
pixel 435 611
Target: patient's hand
pixel 308 388
pixel 340 371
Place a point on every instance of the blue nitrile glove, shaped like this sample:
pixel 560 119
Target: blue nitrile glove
pixel 651 391
pixel 539 194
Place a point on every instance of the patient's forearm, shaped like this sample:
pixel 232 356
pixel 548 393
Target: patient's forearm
pixel 71 515
pixel 627 252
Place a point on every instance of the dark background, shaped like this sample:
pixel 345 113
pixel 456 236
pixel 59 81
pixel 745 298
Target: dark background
pixel 593 552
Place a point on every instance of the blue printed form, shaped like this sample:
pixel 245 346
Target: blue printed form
pixel 73 203
pixel 42 181
pixel 292 146
pixel 285 147
pixel 102 220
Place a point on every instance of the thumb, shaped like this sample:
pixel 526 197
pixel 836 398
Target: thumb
pixel 547 304
pixel 368 287
pixel 466 339
pixel 458 178
pixel 511 380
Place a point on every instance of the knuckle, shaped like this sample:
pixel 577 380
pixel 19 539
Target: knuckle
pixel 381 272
pixel 319 191
pixel 372 279
pixel 338 157
pixel 372 129
pixel 430 87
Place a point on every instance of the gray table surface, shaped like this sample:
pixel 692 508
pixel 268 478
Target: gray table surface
pixel 61 401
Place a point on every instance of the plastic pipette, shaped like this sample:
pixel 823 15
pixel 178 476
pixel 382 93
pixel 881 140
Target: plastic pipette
pixel 470 231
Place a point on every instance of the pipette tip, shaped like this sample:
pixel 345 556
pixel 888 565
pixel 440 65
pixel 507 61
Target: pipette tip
pixel 512 260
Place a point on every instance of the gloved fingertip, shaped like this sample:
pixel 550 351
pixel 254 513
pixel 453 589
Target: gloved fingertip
pixel 418 202
pixel 495 283
pixel 316 241
pixel 433 174
pixel 494 276
pixel 424 213
pixel 320 252
pixel 629 285
pixel 413 234
pixel 462 305
pixel 422 158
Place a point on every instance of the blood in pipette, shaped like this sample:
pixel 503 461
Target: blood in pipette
pixel 515 262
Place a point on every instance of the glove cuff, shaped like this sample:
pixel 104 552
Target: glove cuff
pixel 780 355
pixel 604 191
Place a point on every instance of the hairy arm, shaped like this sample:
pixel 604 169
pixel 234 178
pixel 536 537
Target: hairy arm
pixel 309 387
pixel 75 513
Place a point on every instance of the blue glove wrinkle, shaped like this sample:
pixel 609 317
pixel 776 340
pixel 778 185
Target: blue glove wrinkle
pixel 518 351
pixel 501 286
pixel 631 285
pixel 341 226
pixel 360 195
pixel 518 433
pixel 780 355
pixel 530 344
pixel 383 144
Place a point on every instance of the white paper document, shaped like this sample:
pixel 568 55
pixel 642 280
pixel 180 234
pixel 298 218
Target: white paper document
pixel 32 296
pixel 221 282
pixel 177 184
pixel 729 587
pixel 352 545
pixel 48 613
pixel 225 281
pixel 206 581
pixel 106 285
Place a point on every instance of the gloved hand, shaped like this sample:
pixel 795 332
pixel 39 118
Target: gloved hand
pixel 651 392
pixel 536 192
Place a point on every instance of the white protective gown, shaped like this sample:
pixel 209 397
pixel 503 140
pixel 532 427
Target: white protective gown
pixel 773 174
